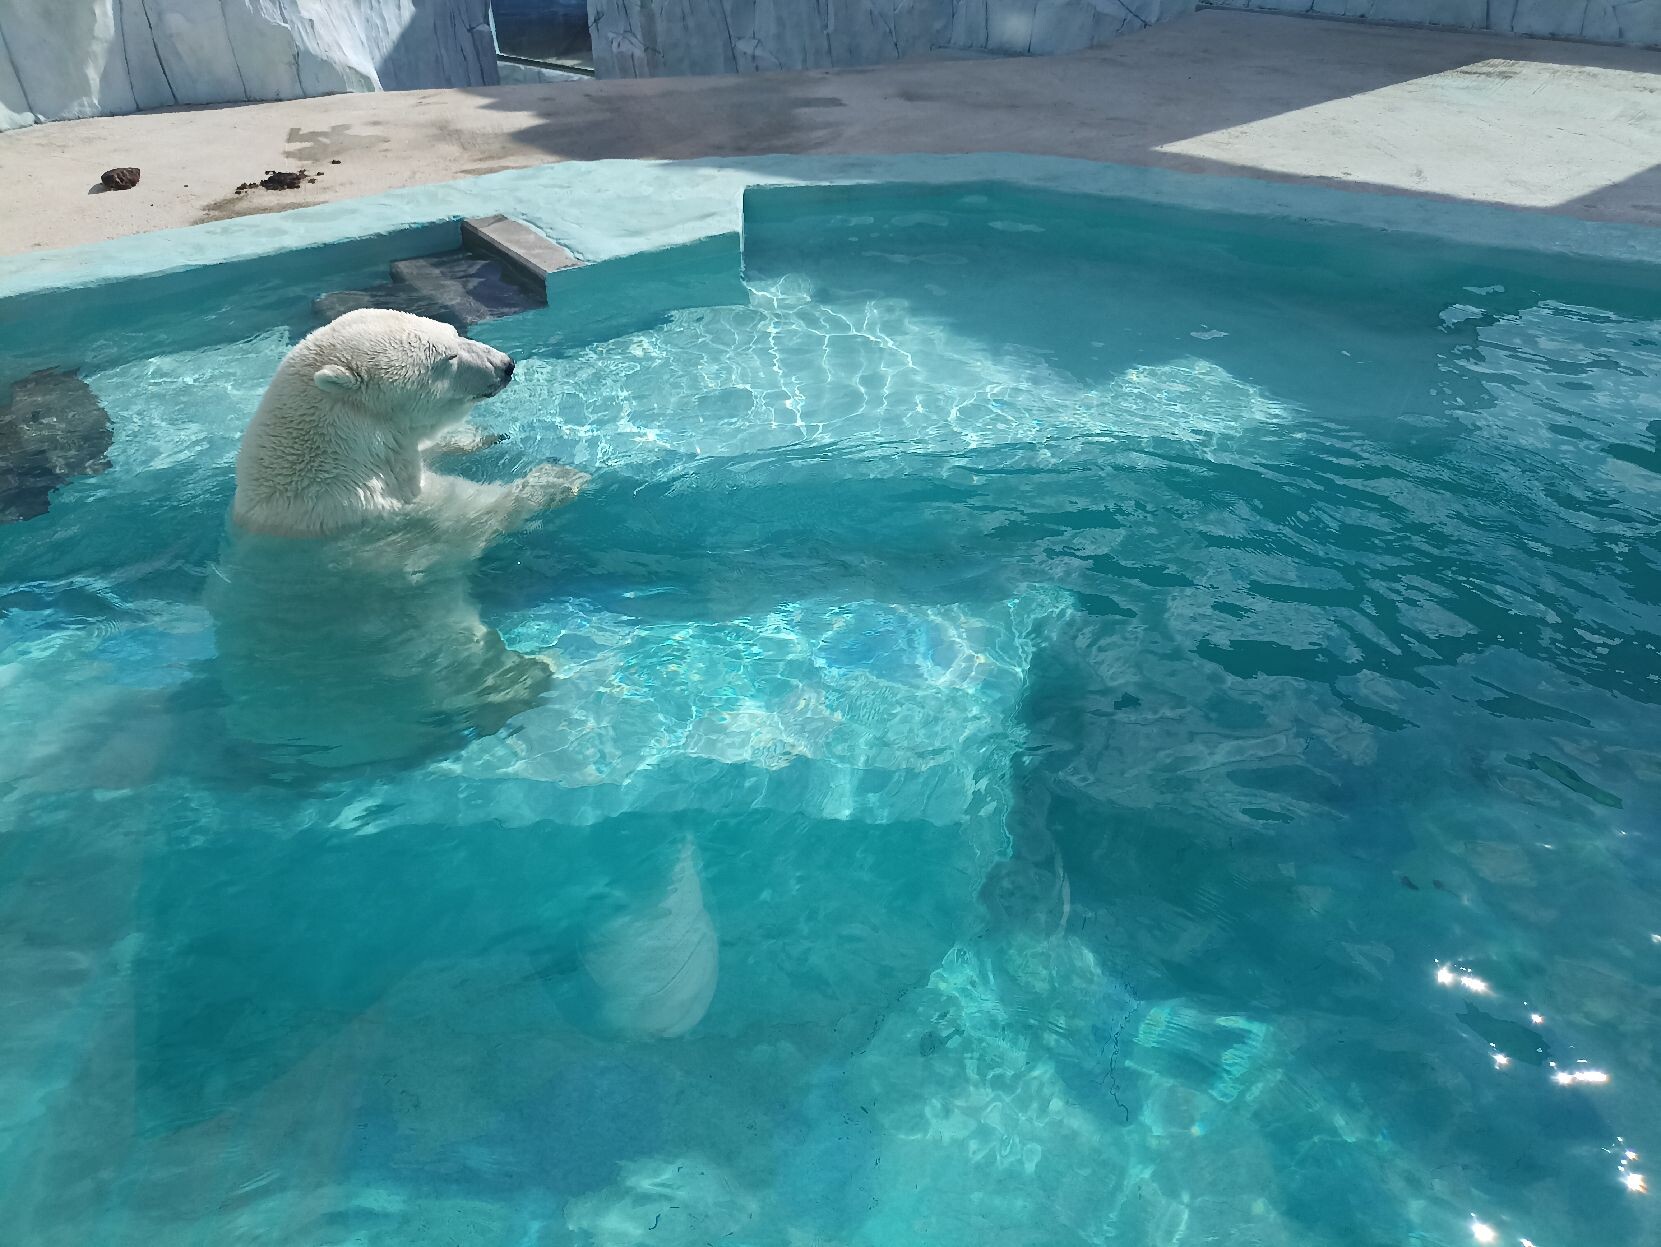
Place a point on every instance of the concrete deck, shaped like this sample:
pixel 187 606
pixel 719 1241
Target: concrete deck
pixel 1558 127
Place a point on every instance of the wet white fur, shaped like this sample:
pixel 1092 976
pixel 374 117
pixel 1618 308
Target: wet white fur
pixel 363 645
pixel 338 438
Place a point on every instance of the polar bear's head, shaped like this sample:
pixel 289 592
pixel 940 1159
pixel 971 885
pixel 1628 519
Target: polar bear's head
pixel 417 373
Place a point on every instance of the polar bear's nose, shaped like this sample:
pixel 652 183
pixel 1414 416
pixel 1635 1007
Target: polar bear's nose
pixel 507 369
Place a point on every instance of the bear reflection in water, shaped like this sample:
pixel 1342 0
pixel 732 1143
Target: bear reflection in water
pixel 358 649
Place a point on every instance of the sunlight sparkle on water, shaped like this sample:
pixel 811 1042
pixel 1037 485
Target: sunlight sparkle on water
pixel 1631 1179
pixel 1447 976
pixel 1565 1078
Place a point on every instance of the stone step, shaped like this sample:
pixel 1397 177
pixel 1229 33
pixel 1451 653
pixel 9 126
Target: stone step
pixel 474 286
pixel 525 255
pixel 457 288
pixel 502 270
pixel 399 296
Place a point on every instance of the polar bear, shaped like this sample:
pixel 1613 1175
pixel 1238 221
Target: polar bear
pixel 338 437
pixel 345 631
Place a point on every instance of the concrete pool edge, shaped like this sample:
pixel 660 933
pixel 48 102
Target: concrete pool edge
pixel 604 210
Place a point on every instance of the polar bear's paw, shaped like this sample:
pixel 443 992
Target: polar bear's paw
pixel 550 485
pixel 464 439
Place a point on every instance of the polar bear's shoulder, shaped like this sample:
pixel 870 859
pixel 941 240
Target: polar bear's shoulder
pixel 306 467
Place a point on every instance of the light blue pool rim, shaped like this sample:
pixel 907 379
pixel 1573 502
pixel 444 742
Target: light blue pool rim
pixel 604 210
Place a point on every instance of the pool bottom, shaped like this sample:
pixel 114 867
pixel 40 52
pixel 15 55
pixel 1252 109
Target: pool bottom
pixel 1007 781
pixel 467 1022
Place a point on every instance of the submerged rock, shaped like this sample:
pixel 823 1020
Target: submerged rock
pixel 52 429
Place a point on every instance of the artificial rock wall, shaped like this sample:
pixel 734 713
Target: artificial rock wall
pixel 652 38
pixel 1608 21
pixel 83 58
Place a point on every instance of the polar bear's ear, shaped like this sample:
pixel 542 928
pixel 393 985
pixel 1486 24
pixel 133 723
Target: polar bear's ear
pixel 333 379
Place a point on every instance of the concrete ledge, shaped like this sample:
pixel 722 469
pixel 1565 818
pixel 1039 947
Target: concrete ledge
pixel 605 209
pixel 593 302
pixel 156 293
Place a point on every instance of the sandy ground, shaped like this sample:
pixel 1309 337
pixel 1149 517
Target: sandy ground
pixel 1562 127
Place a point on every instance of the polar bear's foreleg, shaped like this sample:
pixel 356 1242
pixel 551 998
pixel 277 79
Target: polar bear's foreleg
pixel 489 509
pixel 549 485
pixel 464 439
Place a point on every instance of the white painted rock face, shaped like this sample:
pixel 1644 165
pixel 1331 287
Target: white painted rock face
pixel 1609 21
pixel 92 57
pixel 652 38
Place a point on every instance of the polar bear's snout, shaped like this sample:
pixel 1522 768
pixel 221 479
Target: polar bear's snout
pixel 482 371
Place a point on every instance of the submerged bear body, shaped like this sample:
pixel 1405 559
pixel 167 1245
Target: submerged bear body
pixel 346 630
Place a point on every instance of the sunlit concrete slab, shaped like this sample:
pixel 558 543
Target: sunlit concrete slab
pixel 1534 134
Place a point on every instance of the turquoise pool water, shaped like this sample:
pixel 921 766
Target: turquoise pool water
pixel 1072 724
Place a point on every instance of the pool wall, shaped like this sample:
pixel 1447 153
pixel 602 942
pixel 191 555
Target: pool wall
pixel 787 224
pixel 603 210
pixel 657 237
pixel 159 309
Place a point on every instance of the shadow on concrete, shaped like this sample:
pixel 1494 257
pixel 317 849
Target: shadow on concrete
pixel 1637 198
pixel 1122 102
